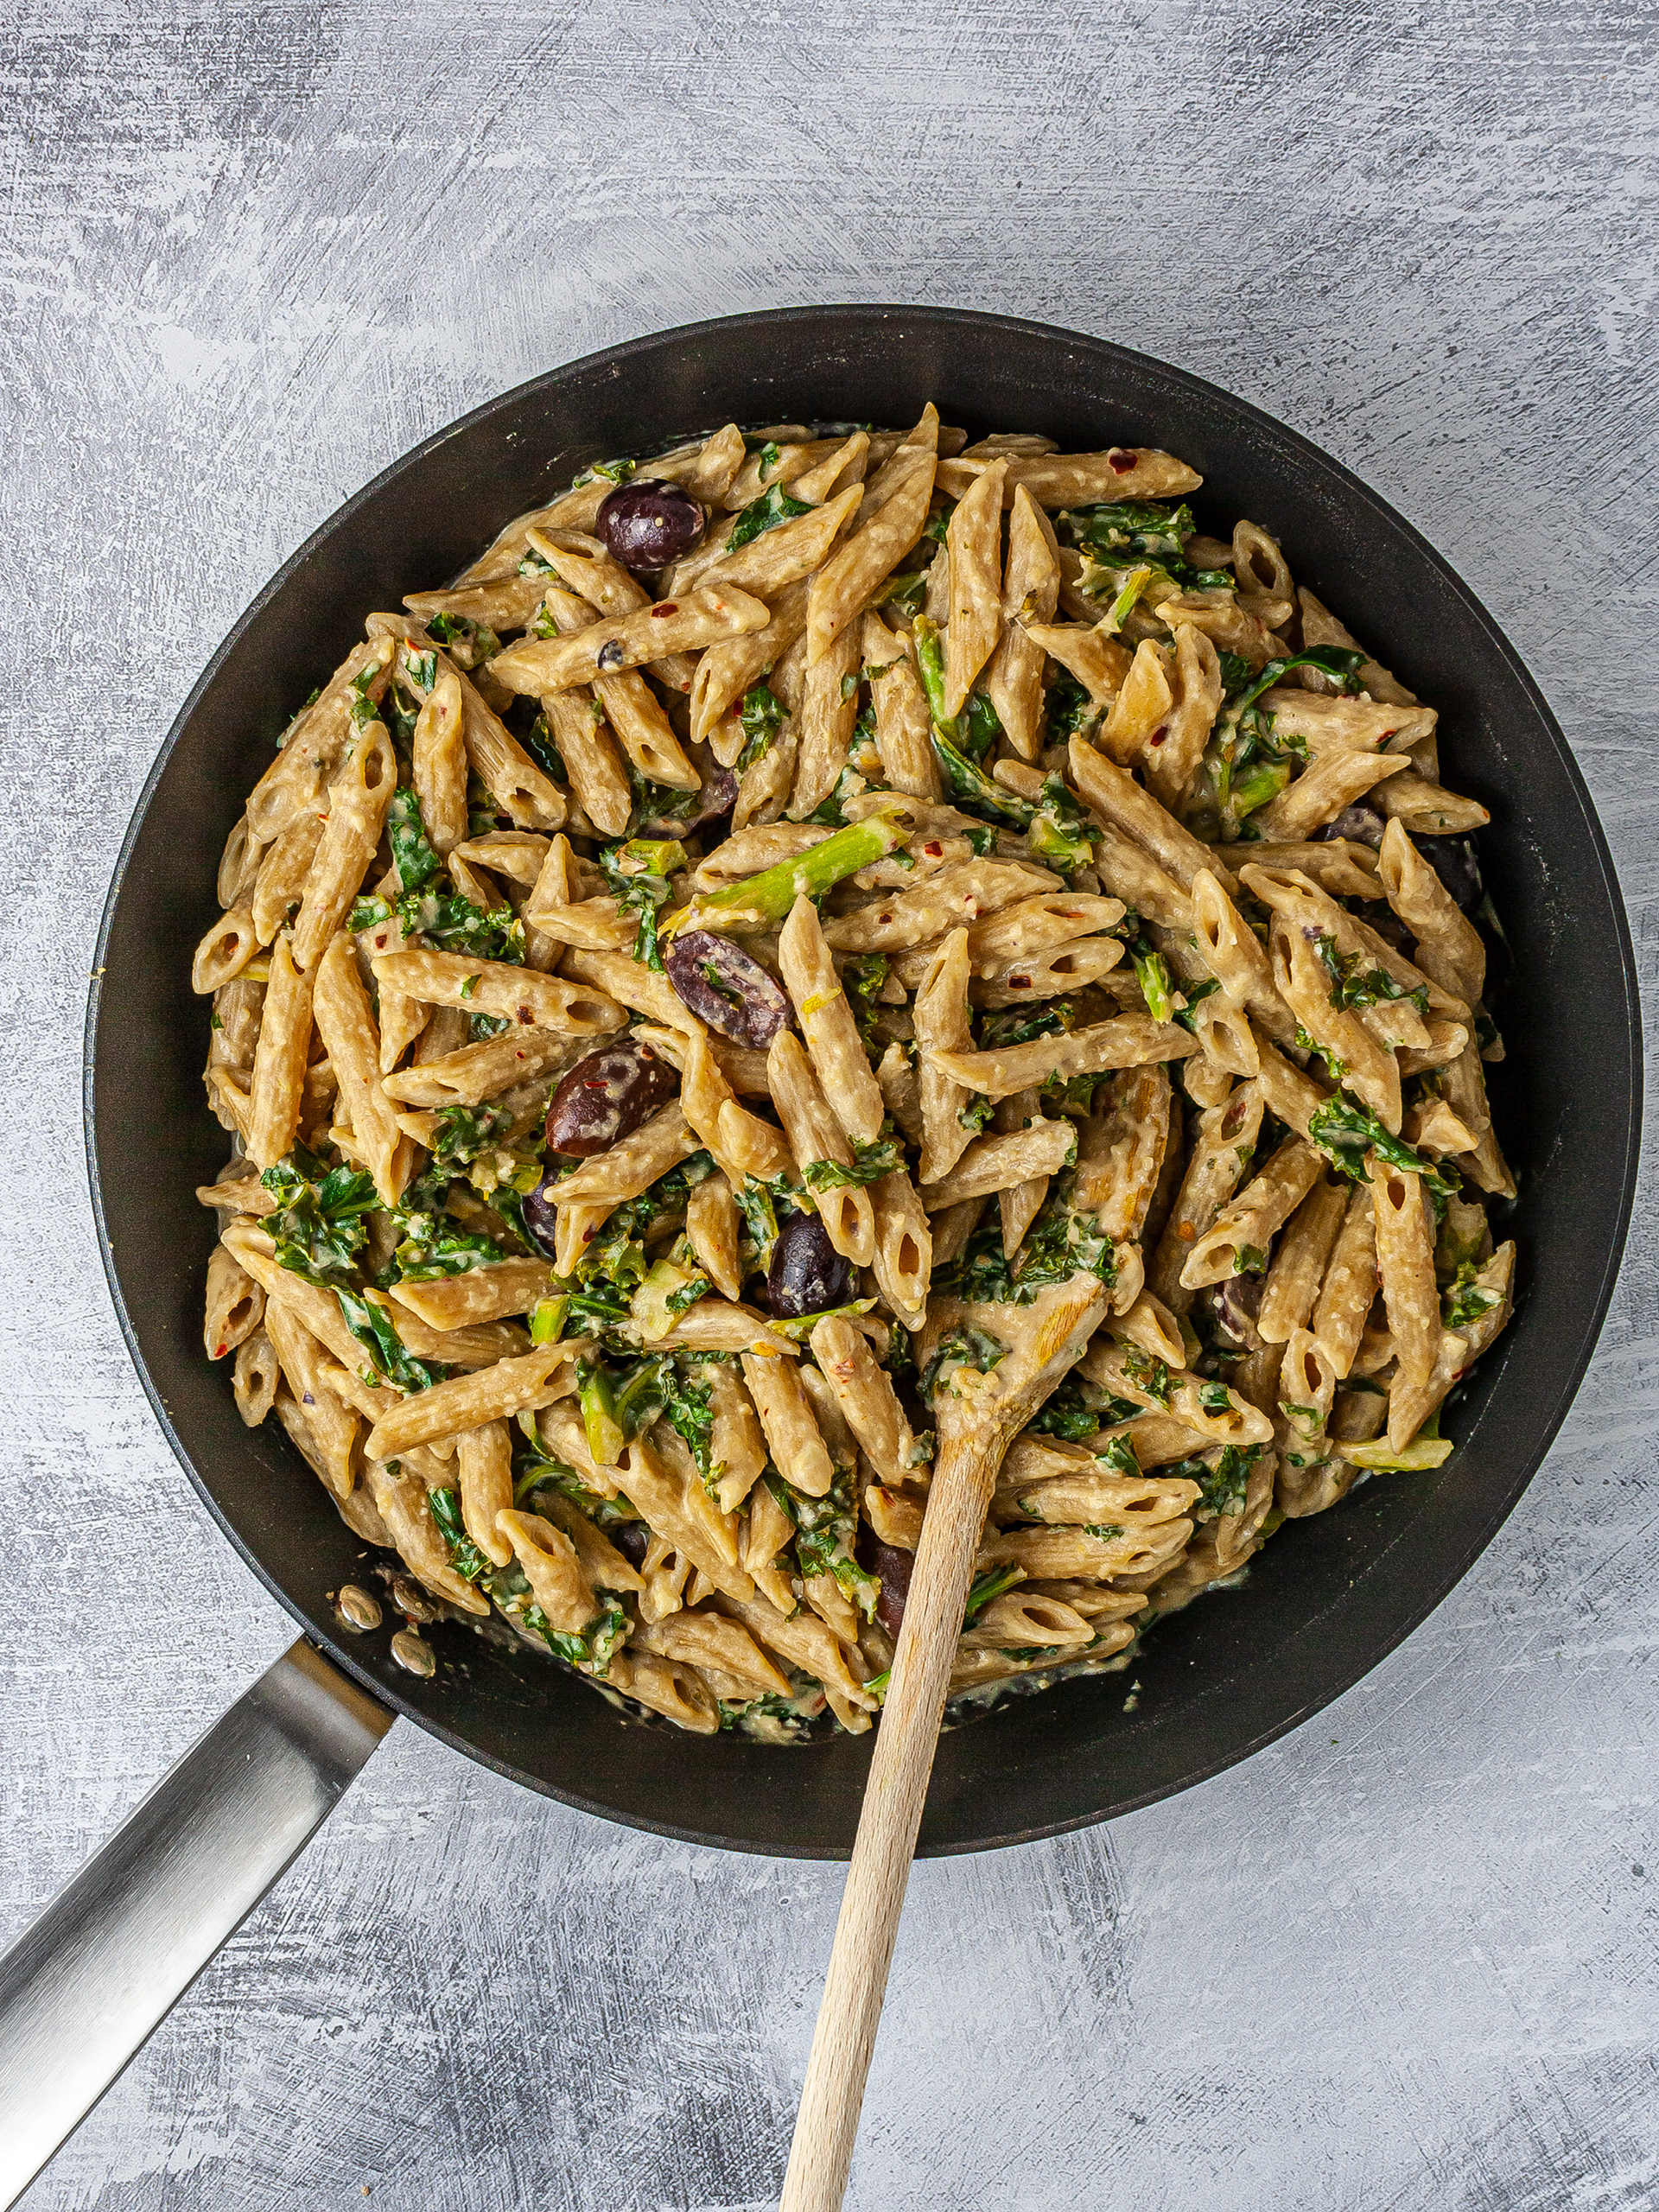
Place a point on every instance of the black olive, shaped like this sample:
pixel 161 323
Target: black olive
pixel 1237 1303
pixel 1361 823
pixel 717 796
pixel 1453 860
pixel 540 1219
pixel 807 1275
pixel 606 1096
pixel 725 988
pixel 632 1540
pixel 894 1567
pixel 647 523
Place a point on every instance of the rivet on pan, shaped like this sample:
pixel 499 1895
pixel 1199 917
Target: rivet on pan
pixel 410 1651
pixel 356 1610
pixel 412 1601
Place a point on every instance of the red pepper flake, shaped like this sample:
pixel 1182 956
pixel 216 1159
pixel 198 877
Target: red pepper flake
pixel 647 1052
pixel 934 849
pixel 667 606
pixel 525 1015
pixel 1159 735
pixel 1122 461
pixel 378 942
pixel 1019 982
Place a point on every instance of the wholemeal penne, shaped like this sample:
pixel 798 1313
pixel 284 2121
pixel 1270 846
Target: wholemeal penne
pixel 276 1088
pixel 884 534
pixel 997 1163
pixel 974 543
pixel 827 1024
pixel 358 799
pixel 345 1023
pixel 1130 1040
pixel 993 1046
pixel 1012 681
pixel 546 666
pixel 825 725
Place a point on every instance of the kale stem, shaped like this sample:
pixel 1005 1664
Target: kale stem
pixel 768 896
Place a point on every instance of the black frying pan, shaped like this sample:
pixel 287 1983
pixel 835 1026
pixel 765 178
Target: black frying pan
pixel 1331 1595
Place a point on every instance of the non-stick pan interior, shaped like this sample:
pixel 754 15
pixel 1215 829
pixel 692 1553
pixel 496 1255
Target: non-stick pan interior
pixel 1328 1597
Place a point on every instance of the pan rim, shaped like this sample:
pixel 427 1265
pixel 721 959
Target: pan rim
pixel 1437 1584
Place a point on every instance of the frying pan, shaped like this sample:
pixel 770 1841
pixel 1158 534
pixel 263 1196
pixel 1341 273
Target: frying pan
pixel 1331 1598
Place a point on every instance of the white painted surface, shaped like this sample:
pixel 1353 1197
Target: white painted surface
pixel 1406 1960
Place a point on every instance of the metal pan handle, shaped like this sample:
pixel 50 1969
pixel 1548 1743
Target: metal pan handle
pixel 84 1988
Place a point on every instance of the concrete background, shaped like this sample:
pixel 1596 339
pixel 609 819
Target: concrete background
pixel 1404 1960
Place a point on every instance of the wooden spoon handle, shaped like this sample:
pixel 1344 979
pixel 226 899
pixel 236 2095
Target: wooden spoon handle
pixel 827 2123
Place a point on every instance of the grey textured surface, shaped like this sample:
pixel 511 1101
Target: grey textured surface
pixel 1406 1958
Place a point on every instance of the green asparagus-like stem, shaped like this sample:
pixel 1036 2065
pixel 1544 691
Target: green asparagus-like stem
pixel 929 662
pixel 760 900
pixel 547 1319
pixel 604 1437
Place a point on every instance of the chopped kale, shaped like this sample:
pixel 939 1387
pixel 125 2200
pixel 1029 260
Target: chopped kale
pixel 864 978
pixel 465 1557
pixel 639 872
pixel 1018 1025
pixel 1195 994
pixel 774 506
pixel 464 1131
pixel 471 643
pixel 990 1582
pixel 976 1115
pixel 826 1531
pixel 1345 1131
pixel 973 791
pixel 433 1246
pixel 1244 688
pixel 1069 708
pixel 871 1162
pixel 1128 526
pixel 1059 833
pixel 1067 1415
pixel 318 1227
pixel 608 471
pixel 1149 1374
pixel 372 1324
pixel 1059 1245
pixel 1354 984
pixel 1223 1486
pixel 969 1348
pixel 415 860
pixel 906 594
pixel 762 715
pixel 1468 1299
pixel 1306 1042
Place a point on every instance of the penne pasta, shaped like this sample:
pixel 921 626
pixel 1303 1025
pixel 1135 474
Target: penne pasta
pixel 610 1274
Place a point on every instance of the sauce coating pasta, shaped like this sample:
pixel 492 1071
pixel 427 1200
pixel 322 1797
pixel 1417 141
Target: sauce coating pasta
pixel 674 1025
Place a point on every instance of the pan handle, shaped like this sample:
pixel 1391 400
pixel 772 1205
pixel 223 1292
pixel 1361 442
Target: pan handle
pixel 83 1988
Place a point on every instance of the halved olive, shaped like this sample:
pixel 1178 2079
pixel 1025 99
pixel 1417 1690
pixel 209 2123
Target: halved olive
pixel 605 1097
pixel 726 987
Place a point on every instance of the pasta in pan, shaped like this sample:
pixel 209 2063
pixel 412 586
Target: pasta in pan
pixel 686 995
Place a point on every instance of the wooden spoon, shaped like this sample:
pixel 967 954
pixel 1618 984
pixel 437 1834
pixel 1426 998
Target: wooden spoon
pixel 977 1416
